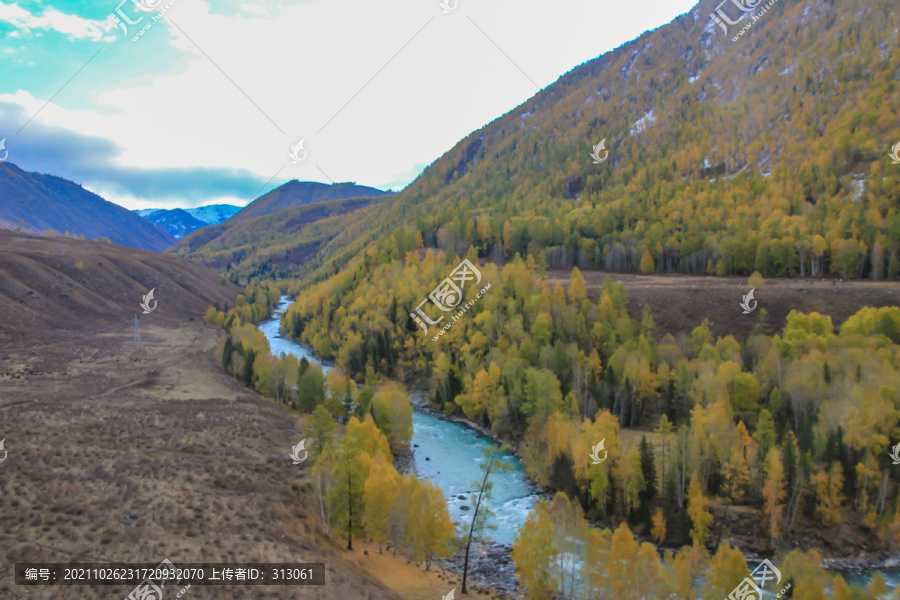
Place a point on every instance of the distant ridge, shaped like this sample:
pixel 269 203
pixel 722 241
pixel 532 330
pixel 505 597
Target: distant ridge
pixel 177 222
pixel 214 213
pixel 296 193
pixel 40 202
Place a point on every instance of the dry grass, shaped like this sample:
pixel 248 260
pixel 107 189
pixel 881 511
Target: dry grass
pixel 681 302
pixel 98 427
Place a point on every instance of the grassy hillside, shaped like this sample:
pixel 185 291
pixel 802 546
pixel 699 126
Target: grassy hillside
pixel 63 284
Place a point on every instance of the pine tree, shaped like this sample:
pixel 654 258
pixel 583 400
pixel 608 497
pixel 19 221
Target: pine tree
pixel 321 428
pixel 562 475
pixel 347 497
pixel 226 352
pixel 247 374
pixel 648 469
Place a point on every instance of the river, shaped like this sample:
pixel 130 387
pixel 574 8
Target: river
pixel 446 453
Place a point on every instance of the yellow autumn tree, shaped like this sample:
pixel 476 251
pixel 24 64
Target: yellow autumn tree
pixel 698 511
pixel 593 569
pixel 840 590
pixel 393 414
pixel 533 552
pixel 647 266
pixel 727 568
pixel 828 493
pixel 368 438
pixel 773 494
pixel 805 571
pixel 381 491
pixel 658 533
pixel 429 530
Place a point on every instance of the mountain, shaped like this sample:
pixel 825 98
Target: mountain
pixel 295 193
pixel 214 213
pixel 48 284
pixel 177 222
pixel 40 202
pixel 280 230
pixel 769 153
pixel 274 244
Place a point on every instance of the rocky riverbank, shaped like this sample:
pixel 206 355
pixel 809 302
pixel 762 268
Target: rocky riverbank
pixel 490 566
pixel 405 462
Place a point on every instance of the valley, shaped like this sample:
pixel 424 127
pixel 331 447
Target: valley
pixel 565 301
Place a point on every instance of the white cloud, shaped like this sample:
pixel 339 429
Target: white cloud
pixel 397 83
pixel 72 26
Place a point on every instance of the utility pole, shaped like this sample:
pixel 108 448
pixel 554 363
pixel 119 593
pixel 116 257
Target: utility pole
pixel 137 330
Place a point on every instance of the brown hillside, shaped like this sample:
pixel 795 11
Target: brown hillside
pixel 681 302
pixel 137 451
pixel 53 284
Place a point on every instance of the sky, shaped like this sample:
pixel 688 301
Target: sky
pixel 184 103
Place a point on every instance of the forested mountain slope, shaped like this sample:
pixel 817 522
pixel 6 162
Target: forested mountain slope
pixel 768 153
